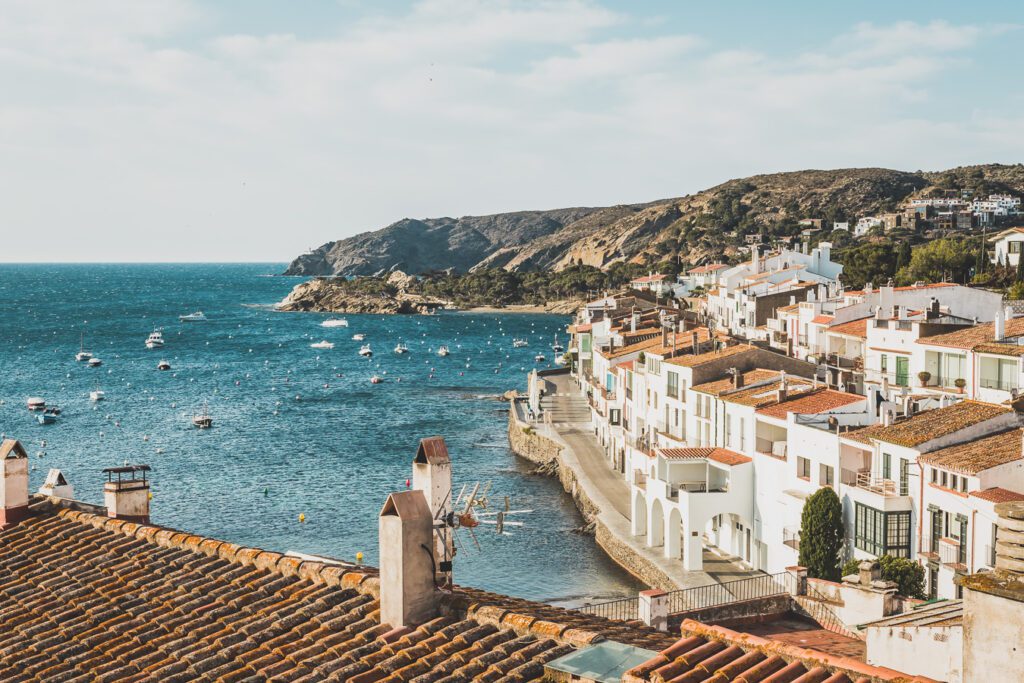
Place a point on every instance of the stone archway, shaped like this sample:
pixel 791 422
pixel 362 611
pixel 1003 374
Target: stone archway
pixel 674 534
pixel 656 524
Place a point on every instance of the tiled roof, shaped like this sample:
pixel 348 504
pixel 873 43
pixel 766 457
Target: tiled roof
pixel 815 402
pixel 708 268
pixel 969 337
pixel 942 613
pixel 822 319
pixel 620 351
pixel 88 598
pixel 930 424
pixel 766 394
pixel 853 328
pixel 579 329
pixel 931 285
pixel 717 386
pixel 978 455
pixel 1015 350
pixel 718 654
pixel 691 361
pixel 722 455
pixel 998 495
pixel 657 277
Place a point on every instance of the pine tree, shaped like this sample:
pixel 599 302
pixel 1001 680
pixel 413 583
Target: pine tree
pixel 1020 268
pixel 903 254
pixel 821 535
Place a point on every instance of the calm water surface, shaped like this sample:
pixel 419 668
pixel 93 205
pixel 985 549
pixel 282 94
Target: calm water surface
pixel 296 429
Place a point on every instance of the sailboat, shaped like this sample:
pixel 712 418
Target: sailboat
pixel 82 354
pixel 203 419
pixel 556 347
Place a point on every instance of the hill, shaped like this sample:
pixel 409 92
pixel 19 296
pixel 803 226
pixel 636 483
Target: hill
pixel 708 225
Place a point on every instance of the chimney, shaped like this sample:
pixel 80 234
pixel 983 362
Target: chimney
pixel 935 308
pixel 126 493
pixel 56 486
pixel 1000 324
pixel 755 260
pixel 633 319
pixel 783 391
pixel 664 336
pixel 869 571
pixel 408 596
pixel 694 343
pixel 432 474
pixel 14 490
pixel 867 288
pixel 737 378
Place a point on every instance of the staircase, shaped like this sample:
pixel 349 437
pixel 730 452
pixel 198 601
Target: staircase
pixel 814 607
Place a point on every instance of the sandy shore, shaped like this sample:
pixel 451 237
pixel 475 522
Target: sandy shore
pixel 560 307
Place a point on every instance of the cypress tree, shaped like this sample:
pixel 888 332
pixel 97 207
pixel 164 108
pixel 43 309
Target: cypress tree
pixel 821 535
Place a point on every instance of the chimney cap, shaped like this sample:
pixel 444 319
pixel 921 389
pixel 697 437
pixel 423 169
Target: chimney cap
pixel 432 450
pixel 127 469
pixel 12 448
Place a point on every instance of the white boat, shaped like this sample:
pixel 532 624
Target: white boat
pixel 519 343
pixel 163 365
pixel 97 395
pixel 323 344
pixel 95 362
pixel 376 379
pixel 82 354
pixel 559 360
pixel 443 351
pixel 540 358
pixel 198 316
pixel 365 350
pixel 203 419
pixel 401 348
pixel 359 336
pixel 335 322
pixel 155 339
pixel 556 347
pixel 36 403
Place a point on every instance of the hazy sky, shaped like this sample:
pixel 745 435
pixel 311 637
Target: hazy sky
pixel 149 130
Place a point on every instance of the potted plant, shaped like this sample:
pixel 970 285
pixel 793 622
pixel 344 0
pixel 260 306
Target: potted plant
pixel 924 376
pixel 960 383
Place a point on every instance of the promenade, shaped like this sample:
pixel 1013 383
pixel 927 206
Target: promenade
pixel 566 421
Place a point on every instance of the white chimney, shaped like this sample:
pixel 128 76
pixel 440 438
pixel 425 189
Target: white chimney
pixel 432 474
pixel 126 493
pixel 408 596
pixel 56 486
pixel 755 261
pixel 1000 325
pixel 14 488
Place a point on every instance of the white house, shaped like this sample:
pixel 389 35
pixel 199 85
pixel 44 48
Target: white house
pixel 1007 246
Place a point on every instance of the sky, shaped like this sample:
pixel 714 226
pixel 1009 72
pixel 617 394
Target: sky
pixel 252 130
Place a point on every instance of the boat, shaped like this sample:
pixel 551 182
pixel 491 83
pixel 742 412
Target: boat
pixel 401 348
pixel 519 343
pixel 334 322
pixel 155 339
pixel 95 362
pixel 82 354
pixel 196 317
pixel 556 347
pixel 365 350
pixel 163 365
pixel 376 379
pixel 48 416
pixel 97 395
pixel 323 344
pixel 540 358
pixel 443 351
pixel 359 336
pixel 203 419
pixel 36 403
pixel 560 360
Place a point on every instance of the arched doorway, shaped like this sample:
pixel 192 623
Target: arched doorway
pixel 639 521
pixel 674 534
pixel 656 527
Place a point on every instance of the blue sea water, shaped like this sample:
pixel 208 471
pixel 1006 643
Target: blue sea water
pixel 296 430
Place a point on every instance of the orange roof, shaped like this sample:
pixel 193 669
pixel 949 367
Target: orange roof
pixel 931 424
pixel 977 455
pixel 620 351
pixel 969 337
pixel 1000 349
pixel 626 365
pixel 812 403
pixel 767 394
pixel 580 328
pixel 822 319
pixel 708 268
pixel 931 285
pixel 853 328
pixel 657 277
pixel 691 361
pixel 717 386
pixel 998 495
pixel 722 455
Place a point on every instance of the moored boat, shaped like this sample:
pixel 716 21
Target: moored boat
pixel 36 403
pixel 376 379
pixel 334 322
pixel 198 316
pixel 401 348
pixel 97 395
pixel 95 362
pixel 48 416
pixel 202 420
pixel 519 343
pixel 163 365
pixel 155 339
pixel 365 350
pixel 443 351
pixel 82 354
pixel 359 336
pixel 323 344
pixel 540 358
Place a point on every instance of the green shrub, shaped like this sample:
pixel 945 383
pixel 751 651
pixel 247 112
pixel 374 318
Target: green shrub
pixel 821 535
pixel 905 573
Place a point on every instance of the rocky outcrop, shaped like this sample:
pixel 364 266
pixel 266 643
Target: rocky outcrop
pixel 332 296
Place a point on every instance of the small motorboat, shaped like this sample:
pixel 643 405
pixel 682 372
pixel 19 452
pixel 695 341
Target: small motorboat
pixel 97 395
pixel 163 365
pixel 203 419
pixel 334 322
pixel 560 360
pixel 359 337
pixel 519 343
pixel 48 416
pixel 556 347
pixel 401 348
pixel 95 362
pixel 196 317
pixel 443 351
pixel 36 403
pixel 82 354
pixel 322 344
pixel 155 340
pixel 365 350
pixel 376 379
pixel 540 358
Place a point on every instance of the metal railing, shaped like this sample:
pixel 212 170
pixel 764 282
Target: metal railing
pixel 880 485
pixel 813 602
pixel 1000 385
pixel 625 609
pixel 951 551
pixel 791 537
pixel 716 594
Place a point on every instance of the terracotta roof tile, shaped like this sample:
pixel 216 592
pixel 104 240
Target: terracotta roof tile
pixel 822 319
pixel 718 386
pixel 852 328
pixel 969 337
pixel 998 495
pixel 767 394
pixel 1014 350
pixel 691 361
pixel 708 268
pixel 657 277
pixel 978 455
pixel 930 424
pixel 815 402
pixel 722 455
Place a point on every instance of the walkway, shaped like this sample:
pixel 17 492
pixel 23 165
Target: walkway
pixel 570 425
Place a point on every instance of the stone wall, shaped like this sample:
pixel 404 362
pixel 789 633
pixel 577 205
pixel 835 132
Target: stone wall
pixel 737 615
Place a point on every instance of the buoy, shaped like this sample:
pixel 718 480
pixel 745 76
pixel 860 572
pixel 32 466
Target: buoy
pixel 150 495
pixel 407 483
pixel 359 558
pixel 302 517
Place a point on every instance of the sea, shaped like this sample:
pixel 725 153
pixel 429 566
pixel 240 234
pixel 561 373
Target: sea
pixel 297 431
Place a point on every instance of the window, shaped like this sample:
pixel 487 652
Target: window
pixel 728 432
pixel 998 373
pixel 904 477
pixel 743 435
pixel 963 484
pixel 1014 247
pixel 881 533
pixel 953 481
pixel 673 384
pixel 884 364
pixel 585 341
pixel 653 366
pixel 826 475
pixel 803 467
pixel 614 416
pixel 886 466
pixel 935 476
pixel 944 479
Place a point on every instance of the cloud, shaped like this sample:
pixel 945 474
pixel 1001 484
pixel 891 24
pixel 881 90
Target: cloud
pixel 121 115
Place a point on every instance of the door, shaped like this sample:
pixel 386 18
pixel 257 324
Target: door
pixel 902 370
pixel 933 582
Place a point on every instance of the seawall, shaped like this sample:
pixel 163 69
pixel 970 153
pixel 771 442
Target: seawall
pixel 526 442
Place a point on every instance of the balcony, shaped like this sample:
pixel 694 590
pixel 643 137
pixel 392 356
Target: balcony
pixel 952 554
pixel 998 385
pixel 640 479
pixel 880 485
pixel 844 362
pixel 773 449
pixel 791 537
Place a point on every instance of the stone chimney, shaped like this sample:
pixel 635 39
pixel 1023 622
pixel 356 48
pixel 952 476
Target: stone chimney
pixel 408 595
pixel 56 486
pixel 755 259
pixel 994 606
pixel 633 320
pixel 737 378
pixel 126 493
pixel 694 342
pixel 432 474
pixel 664 336
pixel 14 488
pixel 1000 324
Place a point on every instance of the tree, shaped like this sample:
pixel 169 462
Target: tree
pixel 1020 268
pixel 946 259
pixel 821 535
pixel 905 573
pixel 874 262
pixel 903 254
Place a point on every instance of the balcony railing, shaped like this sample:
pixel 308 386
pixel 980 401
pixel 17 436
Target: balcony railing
pixel 639 479
pixel 950 552
pixel 880 485
pixel 844 362
pixel 791 537
pixel 1000 385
